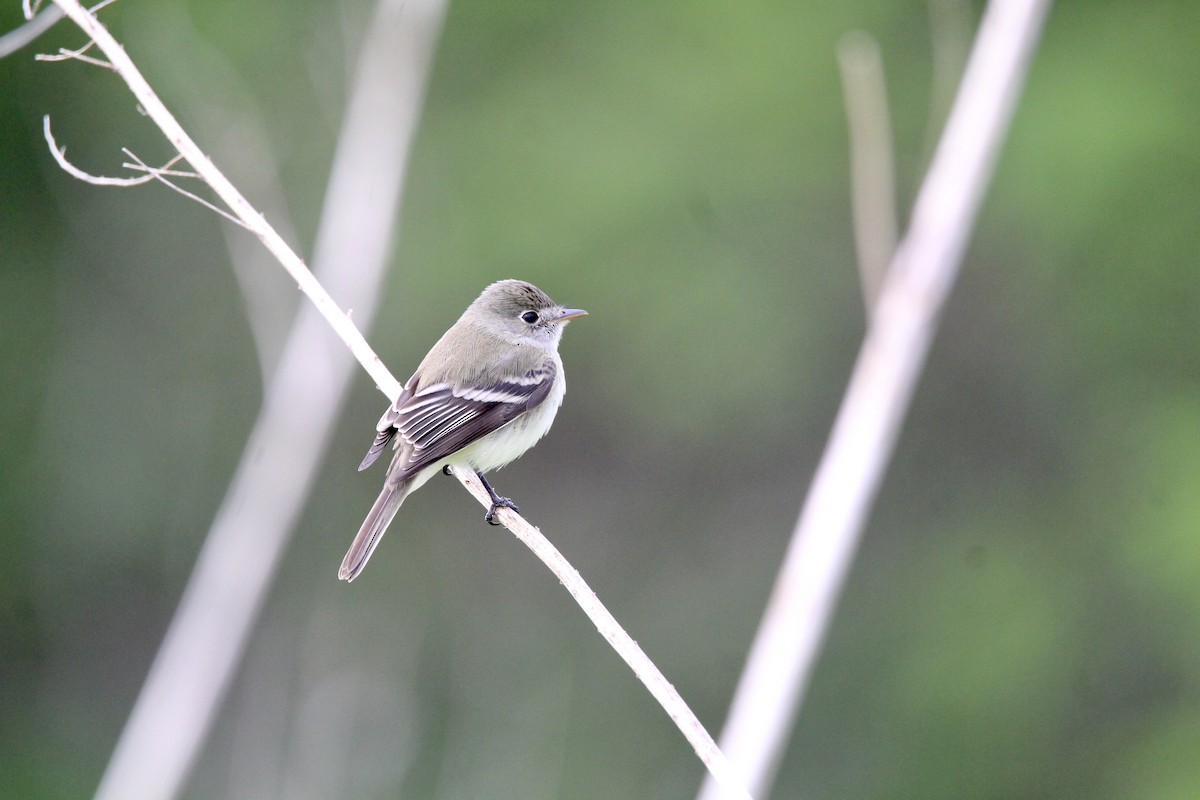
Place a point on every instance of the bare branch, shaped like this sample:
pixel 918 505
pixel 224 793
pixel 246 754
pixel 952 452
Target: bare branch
pixel 60 155
pixel 137 165
pixel 236 566
pixel 711 756
pixel 76 55
pixel 207 636
pixel 917 283
pixel 241 208
pixel 872 174
pixel 161 176
pixel 17 38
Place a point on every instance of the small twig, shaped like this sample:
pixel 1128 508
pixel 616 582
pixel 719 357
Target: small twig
pixel 76 55
pixel 872 174
pixel 60 155
pixel 238 205
pixel 140 166
pixel 160 176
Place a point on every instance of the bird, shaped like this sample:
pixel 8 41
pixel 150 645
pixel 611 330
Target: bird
pixel 487 391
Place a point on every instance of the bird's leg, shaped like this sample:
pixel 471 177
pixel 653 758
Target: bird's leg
pixel 497 501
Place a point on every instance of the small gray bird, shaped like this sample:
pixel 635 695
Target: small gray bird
pixel 485 393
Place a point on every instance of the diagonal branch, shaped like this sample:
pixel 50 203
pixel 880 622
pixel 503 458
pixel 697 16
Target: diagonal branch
pixel 229 583
pixel 34 27
pixel 207 636
pixel 915 287
pixel 719 768
pixel 238 205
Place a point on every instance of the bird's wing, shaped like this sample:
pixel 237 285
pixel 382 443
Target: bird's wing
pixel 385 431
pixel 441 419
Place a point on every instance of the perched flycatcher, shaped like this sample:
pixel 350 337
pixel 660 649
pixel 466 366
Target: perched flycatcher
pixel 487 391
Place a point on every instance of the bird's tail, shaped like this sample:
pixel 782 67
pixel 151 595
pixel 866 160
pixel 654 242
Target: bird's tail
pixel 373 527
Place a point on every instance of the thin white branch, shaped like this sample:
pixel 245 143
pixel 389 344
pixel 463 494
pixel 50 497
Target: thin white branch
pixel 238 204
pixel 76 55
pixel 662 690
pixel 872 174
pixel 60 155
pixel 208 633
pixel 160 175
pixel 138 165
pixel 916 285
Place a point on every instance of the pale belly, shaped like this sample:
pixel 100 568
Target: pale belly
pixel 504 445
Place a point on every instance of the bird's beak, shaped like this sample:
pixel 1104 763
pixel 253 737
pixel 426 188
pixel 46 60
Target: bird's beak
pixel 570 313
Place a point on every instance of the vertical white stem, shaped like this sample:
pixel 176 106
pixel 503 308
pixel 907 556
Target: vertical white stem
pixel 793 627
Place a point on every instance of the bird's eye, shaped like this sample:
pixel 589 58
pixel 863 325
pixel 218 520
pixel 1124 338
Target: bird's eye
pixel 530 317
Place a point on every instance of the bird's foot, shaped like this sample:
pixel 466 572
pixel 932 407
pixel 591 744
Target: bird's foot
pixel 499 502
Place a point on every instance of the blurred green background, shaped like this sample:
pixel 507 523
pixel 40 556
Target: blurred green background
pixel 1023 620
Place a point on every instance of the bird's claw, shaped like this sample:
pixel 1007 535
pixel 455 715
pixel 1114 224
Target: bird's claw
pixel 499 502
